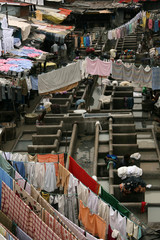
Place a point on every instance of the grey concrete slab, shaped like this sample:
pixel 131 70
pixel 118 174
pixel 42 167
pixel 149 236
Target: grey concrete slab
pixel 152 196
pixel 154 214
pixel 149 166
pixel 146 144
pixel 103 148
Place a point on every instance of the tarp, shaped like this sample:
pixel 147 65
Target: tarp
pixel 54 17
pixel 25 27
pixel 136 1
pixel 63 78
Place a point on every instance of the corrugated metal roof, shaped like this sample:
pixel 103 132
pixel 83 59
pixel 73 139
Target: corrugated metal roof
pixel 101 5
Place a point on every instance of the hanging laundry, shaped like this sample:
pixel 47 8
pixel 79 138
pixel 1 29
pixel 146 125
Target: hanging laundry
pixel 129 227
pixel 38 230
pixel 98 67
pixel 25 197
pixel 150 24
pixel 155 78
pixel 122 226
pixel 70 208
pixel 50 178
pixel 81 174
pixel 23 183
pixel 83 193
pixel 128 72
pixel 4 164
pixel 103 211
pixel 57 227
pixel 46 158
pixel 22 235
pixel 73 183
pixel 14 207
pixel 117 70
pixel 113 220
pixel 19 166
pixel 63 178
pixel 6 179
pixel 156 26
pixel 93 223
pixel 111 200
pixel 93 202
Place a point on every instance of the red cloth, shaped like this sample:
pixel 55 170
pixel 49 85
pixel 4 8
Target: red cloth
pixel 82 176
pixel 143 207
pixel 14 208
pixel 110 233
pixel 38 230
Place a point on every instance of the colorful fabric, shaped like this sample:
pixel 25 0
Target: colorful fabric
pixel 108 198
pixel 82 176
pixel 52 158
pixel 57 227
pixel 7 234
pixel 38 230
pixel 20 167
pixel 5 178
pixel 5 221
pixel 110 234
pixel 14 207
pixel 22 183
pixel 25 197
pixel 7 167
pixel 93 223
pixel 98 67
pixel 22 235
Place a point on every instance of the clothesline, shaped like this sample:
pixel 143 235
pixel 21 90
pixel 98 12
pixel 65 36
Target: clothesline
pixel 115 208
pixel 112 206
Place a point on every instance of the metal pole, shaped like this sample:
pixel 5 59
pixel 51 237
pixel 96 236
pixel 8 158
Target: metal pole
pixel 6 11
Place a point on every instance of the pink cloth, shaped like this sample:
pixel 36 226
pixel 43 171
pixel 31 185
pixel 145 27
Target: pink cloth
pixel 98 67
pixel 5 67
pixel 33 49
pixel 21 183
pixel 33 55
pixel 150 23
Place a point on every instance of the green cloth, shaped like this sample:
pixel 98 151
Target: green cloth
pixel 5 221
pixel 7 167
pixel 108 198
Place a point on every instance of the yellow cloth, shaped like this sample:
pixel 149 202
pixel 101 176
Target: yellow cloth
pixel 148 15
pixel 63 178
pixel 54 17
pixel 144 22
pixel 45 196
pixel 39 15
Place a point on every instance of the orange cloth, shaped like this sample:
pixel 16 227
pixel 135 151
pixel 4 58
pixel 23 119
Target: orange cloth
pixel 92 222
pixel 82 43
pixel 63 178
pixel 46 158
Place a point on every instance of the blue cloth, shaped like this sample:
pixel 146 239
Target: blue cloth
pixel 6 179
pixel 156 78
pixel 25 52
pixel 158 49
pixel 21 235
pixel 79 101
pixel 156 26
pixel 21 168
pixel 34 82
pixel 22 64
pixel 87 41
